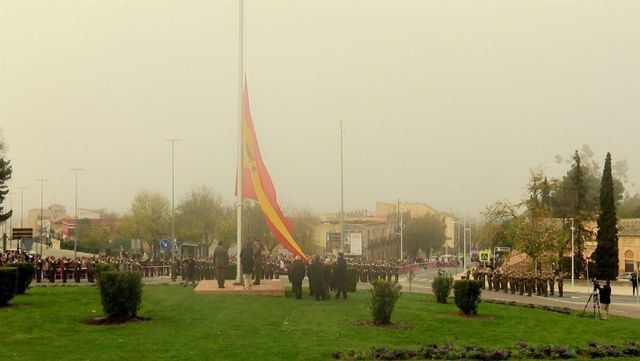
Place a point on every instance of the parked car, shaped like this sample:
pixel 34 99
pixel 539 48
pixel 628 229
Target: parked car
pixel 624 277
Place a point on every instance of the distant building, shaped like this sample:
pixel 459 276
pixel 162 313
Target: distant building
pixel 629 245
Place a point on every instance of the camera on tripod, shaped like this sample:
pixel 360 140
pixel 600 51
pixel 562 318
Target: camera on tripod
pixel 596 285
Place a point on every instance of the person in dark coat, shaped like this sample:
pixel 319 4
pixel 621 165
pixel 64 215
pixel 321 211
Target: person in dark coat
pixel 221 261
pixel 297 276
pixel 246 259
pixel 316 278
pixel 340 274
pixel 327 278
pixel 634 283
pixel 605 297
pixel 258 263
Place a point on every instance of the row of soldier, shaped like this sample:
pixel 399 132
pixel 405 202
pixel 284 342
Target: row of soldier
pixel 521 282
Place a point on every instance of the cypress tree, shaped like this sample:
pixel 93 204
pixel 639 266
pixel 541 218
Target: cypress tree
pixel 5 175
pixel 606 254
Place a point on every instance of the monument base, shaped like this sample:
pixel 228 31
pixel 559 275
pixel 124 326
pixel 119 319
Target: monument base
pixel 272 288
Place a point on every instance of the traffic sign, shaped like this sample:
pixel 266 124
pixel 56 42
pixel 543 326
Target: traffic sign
pixel 165 244
pixel 22 233
pixel 485 255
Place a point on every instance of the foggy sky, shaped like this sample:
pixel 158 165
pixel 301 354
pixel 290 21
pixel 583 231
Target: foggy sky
pixel 446 102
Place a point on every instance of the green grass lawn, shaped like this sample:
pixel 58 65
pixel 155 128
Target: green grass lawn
pixel 46 324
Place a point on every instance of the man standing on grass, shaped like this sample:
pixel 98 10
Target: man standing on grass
pixel 297 276
pixel 257 262
pixel 316 278
pixel 246 258
pixel 340 274
pixel 221 261
pixel 634 283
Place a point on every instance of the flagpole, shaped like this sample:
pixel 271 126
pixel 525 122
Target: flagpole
pixel 341 190
pixel 239 173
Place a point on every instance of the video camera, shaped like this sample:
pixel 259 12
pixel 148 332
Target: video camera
pixel 596 285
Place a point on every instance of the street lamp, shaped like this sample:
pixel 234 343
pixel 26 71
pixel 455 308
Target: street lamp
pixel 75 242
pixel 41 180
pixel 21 204
pixel 173 187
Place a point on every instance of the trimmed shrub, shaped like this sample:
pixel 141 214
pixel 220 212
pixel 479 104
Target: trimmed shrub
pixel 99 268
pixel 25 272
pixel 441 287
pixel 8 276
pixel 352 279
pixel 384 295
pixel 121 293
pixel 467 296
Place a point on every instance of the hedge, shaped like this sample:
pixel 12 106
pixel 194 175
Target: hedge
pixel 121 293
pixel 384 295
pixel 25 272
pixel 99 268
pixel 8 277
pixel 441 287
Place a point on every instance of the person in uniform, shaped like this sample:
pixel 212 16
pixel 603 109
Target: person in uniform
pixel 560 285
pixel 327 277
pixel 316 277
pixel 551 280
pixel 340 275
pixel 297 271
pixel 90 274
pixel 530 284
pixel 65 271
pixel 221 261
pixel 190 274
pixel 521 282
pixel 39 270
pixel 257 262
pixel 76 270
pixel 246 259
pixel 490 279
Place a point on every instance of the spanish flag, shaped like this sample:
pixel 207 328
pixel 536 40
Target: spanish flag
pixel 257 185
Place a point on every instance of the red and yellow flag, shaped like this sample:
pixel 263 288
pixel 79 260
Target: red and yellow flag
pixel 257 185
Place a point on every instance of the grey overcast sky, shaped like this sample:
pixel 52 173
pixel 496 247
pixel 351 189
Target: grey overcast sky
pixel 448 102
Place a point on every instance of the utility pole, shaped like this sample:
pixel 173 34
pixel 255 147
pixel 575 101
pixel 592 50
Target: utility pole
pixel 341 188
pixel 21 205
pixel 41 180
pixel 401 232
pixel 75 241
pixel 173 189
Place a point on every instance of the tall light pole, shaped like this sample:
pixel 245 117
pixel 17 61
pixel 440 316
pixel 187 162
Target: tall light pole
pixel 173 191
pixel 341 188
pixel 41 180
pixel 573 254
pixel 21 205
pixel 75 242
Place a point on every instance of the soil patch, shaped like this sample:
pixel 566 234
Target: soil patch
pixel 102 321
pixel 391 326
pixel 471 316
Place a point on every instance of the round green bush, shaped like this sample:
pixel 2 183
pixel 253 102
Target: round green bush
pixel 441 287
pixel 121 293
pixel 467 296
pixel 384 295
pixel 8 276
pixel 25 273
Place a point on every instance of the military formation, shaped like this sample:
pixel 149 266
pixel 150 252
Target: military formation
pixel 370 271
pixel 519 282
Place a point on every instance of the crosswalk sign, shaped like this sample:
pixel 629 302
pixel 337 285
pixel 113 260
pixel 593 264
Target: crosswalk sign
pixel 485 255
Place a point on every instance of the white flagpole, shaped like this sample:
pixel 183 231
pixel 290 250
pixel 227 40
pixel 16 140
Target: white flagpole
pixel 240 138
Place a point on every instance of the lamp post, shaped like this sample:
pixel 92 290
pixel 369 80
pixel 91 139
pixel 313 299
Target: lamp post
pixel 21 205
pixel 173 188
pixel 573 255
pixel 75 242
pixel 41 180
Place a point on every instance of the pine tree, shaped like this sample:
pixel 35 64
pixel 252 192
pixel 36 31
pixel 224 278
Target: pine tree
pixel 546 194
pixel 5 175
pixel 606 254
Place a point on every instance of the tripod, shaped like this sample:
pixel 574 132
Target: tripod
pixel 595 297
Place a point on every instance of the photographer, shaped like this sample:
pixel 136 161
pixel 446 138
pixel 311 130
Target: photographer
pixel 605 296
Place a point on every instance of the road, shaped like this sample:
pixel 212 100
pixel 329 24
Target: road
pixel 622 304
